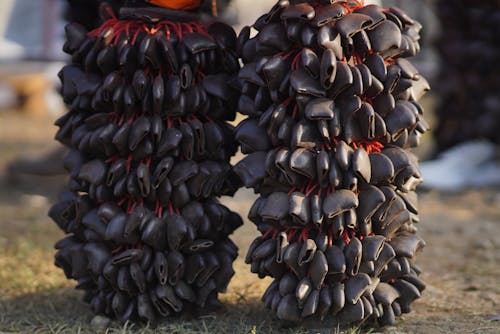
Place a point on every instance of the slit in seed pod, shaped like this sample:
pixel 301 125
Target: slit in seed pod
pixel 290 257
pixel 353 255
pixel 303 83
pixel 355 287
pixel 307 252
pixel 166 294
pixel 328 14
pixel 353 23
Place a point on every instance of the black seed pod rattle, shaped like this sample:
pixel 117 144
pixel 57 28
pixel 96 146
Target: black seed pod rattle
pixel 332 106
pixel 149 94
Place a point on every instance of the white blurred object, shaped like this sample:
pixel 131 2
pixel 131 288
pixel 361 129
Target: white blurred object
pixel 8 49
pixel 31 29
pixel 53 98
pixel 487 176
pixel 471 164
pixel 5 11
pixel 8 97
pixel 242 13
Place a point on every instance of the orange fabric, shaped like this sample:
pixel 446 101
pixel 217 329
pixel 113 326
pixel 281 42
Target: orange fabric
pixel 177 4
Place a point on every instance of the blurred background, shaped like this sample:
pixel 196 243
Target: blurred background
pixel 460 198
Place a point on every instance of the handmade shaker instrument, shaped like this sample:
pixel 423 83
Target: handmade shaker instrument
pixel 149 93
pixel 332 106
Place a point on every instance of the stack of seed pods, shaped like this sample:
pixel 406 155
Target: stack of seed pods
pixel 332 112
pixel 470 105
pixel 150 147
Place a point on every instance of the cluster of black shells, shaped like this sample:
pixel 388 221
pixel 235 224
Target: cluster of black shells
pixel 149 100
pixel 332 106
pixel 470 74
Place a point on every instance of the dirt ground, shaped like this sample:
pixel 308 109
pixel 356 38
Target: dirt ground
pixel 461 262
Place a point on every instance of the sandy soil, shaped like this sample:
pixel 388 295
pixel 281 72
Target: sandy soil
pixel 461 262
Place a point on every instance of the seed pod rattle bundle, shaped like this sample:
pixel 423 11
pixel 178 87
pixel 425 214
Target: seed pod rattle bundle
pixel 332 106
pixel 149 95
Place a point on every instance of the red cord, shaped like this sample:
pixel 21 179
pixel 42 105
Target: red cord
pixel 311 190
pixel 118 27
